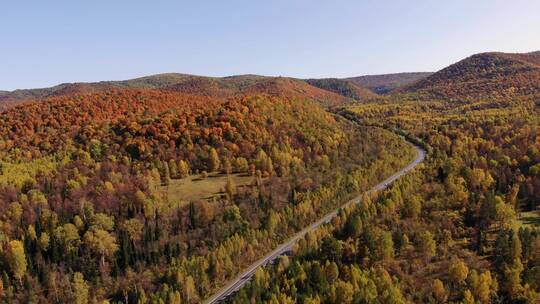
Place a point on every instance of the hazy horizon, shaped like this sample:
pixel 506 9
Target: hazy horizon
pixel 63 42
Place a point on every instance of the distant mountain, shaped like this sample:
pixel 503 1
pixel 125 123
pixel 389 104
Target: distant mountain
pixel 220 87
pixel 385 83
pixel 342 87
pixel 9 99
pixel 485 74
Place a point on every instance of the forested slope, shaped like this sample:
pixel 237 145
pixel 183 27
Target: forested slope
pixel 217 87
pixel 83 215
pixel 342 87
pixel 495 75
pixel 462 229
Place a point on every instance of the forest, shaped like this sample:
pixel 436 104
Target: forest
pixel 463 228
pixel 93 182
pixel 84 218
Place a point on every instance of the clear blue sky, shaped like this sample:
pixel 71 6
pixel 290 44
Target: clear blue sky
pixel 43 43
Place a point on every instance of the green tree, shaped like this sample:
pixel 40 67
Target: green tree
pixel 385 246
pixel 332 272
pixel 68 235
pixel 412 207
pixel 515 247
pixel 343 292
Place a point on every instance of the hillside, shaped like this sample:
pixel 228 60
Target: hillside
pixel 189 84
pixel 485 74
pixel 385 83
pixel 342 87
pixel 96 183
pixel 464 227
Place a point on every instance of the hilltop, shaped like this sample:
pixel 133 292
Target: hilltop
pixel 385 83
pixel 486 74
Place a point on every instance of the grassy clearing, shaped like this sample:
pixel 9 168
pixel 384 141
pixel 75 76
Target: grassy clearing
pixel 195 187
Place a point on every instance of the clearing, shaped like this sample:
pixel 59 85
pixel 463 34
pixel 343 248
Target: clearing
pixel 195 187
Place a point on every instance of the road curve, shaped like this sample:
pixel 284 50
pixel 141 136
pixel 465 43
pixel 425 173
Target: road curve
pixel 239 281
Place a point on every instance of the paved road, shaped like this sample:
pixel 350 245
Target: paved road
pixel 282 249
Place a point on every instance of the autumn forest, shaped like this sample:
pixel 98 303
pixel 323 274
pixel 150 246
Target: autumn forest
pixel 166 188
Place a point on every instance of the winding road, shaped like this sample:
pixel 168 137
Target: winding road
pixel 239 281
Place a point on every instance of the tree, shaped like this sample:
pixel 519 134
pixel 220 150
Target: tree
pixel 343 292
pixel 241 164
pixel 515 247
pixel 166 175
pixel 103 221
pixel 331 248
pixel 438 291
pixel 226 165
pixel 230 187
pixel 101 242
pixel 512 279
pixel 173 169
pixel 468 297
pixel 189 291
pixel 133 227
pixel 16 259
pixel 213 160
pixel 385 246
pixel 412 207
pixel 201 213
pixel 426 244
pixel 183 168
pixel 504 213
pixel 482 285
pixel 458 272
pixel 332 272
pixel 80 289
pixel 68 235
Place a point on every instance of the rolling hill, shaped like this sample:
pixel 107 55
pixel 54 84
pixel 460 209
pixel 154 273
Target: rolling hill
pixel 385 83
pixel 221 87
pixel 486 74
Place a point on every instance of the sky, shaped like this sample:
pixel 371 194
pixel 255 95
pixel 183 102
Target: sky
pixel 44 43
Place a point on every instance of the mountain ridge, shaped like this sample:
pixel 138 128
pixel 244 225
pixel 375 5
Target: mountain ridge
pixel 190 84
